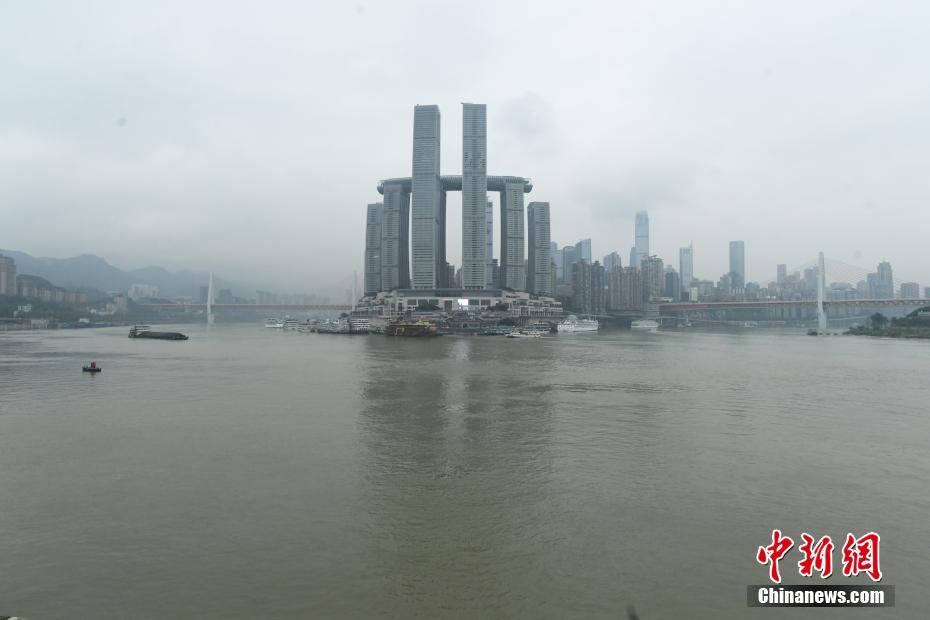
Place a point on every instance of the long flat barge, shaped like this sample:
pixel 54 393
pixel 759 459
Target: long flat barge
pixel 145 331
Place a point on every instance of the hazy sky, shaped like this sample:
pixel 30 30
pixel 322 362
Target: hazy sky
pixel 247 138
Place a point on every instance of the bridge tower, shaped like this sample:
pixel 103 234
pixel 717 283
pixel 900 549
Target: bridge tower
pixel 821 283
pixel 210 301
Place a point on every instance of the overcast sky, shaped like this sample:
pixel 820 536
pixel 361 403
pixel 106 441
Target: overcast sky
pixel 247 138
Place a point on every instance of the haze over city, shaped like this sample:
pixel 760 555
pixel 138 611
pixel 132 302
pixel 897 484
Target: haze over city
pixel 248 140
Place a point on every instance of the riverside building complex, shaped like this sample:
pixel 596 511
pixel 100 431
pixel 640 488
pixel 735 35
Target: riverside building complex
pixel 405 236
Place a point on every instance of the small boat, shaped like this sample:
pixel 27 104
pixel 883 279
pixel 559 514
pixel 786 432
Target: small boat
pixel 530 331
pixel 644 325
pixel 273 323
pixel 145 331
pixel 92 368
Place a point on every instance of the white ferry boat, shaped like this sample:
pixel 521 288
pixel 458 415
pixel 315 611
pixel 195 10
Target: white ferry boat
pixel 290 323
pixel 529 331
pixel 573 324
pixel 273 323
pixel 644 325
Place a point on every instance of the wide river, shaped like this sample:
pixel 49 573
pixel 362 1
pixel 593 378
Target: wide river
pixel 250 473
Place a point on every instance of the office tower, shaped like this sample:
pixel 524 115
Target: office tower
pixel 426 198
pixel 641 249
pixel 910 290
pixel 489 246
pixel 373 248
pixel 737 264
pixel 686 267
pixel 513 237
pixel 569 258
pixel 886 279
pixel 583 248
pixel 782 274
pixel 927 292
pixel 672 284
pixel 495 273
pixel 7 276
pixel 653 277
pixel 474 196
pixel 538 264
pixel 611 260
pixel 395 238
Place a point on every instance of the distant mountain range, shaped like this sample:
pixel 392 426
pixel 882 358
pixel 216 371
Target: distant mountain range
pixel 92 272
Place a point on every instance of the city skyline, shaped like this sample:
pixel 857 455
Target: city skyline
pixel 796 160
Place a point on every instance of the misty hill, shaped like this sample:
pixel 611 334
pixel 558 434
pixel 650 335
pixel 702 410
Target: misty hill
pixel 92 272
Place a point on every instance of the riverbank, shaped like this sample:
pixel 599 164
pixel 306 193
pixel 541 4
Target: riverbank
pixel 891 332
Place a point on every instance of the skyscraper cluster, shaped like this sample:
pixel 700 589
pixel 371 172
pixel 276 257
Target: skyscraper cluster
pixel 405 239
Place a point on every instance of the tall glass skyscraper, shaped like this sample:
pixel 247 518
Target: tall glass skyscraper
pixel 539 262
pixel 686 267
pixel 373 248
pixel 426 196
pixel 513 237
pixel 474 195
pixel 489 246
pixel 641 249
pixel 395 238
pixel 737 264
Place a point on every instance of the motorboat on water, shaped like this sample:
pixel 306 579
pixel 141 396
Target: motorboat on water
pixel 274 323
pixel 522 333
pixel 530 331
pixel 93 367
pixel 145 331
pixel 573 324
pixel 645 325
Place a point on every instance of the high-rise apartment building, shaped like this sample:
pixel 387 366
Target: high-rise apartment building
pixel 910 290
pixel 426 198
pixel 373 248
pixel 782 277
pixel 737 264
pixel 631 289
pixel 653 271
pixel 672 284
pixel 474 195
pixel 7 276
pixel 588 293
pixel 538 264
